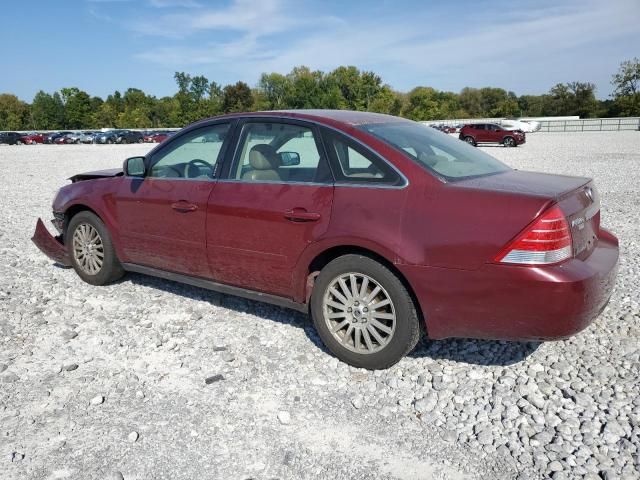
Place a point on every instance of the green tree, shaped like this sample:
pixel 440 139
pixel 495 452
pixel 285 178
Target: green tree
pixel 47 111
pixel 387 101
pixel 575 98
pixel 137 110
pixel 237 98
pixel 422 104
pixel 584 99
pixel 626 84
pixel 14 113
pixel 77 108
pixel 313 89
pixel 274 91
pixel 471 102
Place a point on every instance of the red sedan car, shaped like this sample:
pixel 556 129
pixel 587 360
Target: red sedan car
pixel 374 224
pixel 491 133
pixel 33 139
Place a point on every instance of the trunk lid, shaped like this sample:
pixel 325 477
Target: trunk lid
pixel 577 197
pixel 582 209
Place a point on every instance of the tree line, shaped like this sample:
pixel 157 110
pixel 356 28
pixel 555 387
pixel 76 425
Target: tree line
pixel 345 87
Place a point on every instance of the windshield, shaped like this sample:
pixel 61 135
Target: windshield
pixel 448 157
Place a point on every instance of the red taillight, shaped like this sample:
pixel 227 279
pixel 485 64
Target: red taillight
pixel 547 240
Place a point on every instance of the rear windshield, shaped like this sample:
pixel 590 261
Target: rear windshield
pixel 448 157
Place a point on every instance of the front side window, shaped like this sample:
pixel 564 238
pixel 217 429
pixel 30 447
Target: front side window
pixel 279 152
pixel 191 156
pixel 446 156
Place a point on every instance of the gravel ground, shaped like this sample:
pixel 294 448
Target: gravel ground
pixel 147 379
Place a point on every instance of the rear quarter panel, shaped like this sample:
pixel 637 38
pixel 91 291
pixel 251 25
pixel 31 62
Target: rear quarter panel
pixel 456 227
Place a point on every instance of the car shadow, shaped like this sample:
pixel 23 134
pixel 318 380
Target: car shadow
pixel 475 352
pixel 470 351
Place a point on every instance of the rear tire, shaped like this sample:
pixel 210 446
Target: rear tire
pixel 470 140
pixel 363 331
pixel 91 250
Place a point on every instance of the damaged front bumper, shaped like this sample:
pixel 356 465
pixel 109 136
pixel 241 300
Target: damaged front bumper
pixel 51 246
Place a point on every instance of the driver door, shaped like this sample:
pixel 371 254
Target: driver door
pixel 162 216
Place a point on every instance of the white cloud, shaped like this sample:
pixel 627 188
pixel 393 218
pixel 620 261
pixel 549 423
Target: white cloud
pixel 413 44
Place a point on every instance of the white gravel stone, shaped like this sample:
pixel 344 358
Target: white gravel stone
pixel 97 400
pixel 284 418
pixel 133 437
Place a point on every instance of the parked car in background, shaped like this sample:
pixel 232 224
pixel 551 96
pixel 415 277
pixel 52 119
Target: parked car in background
pixel 66 139
pixel 51 137
pixel 477 133
pixel 12 138
pixel 162 136
pixel 86 137
pixel 33 138
pixel 130 136
pixel 110 136
pixel 436 232
pixel 524 126
pixel 147 137
pixel 81 137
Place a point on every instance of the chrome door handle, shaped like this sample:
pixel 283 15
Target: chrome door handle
pixel 301 215
pixel 184 207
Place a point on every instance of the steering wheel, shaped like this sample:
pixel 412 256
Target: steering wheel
pixel 195 163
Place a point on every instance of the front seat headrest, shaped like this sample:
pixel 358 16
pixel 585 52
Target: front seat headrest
pixel 264 157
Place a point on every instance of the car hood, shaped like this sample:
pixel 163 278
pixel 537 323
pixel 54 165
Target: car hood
pixel 112 172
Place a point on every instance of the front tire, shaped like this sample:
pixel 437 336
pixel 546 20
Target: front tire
pixel 363 313
pixel 509 142
pixel 91 251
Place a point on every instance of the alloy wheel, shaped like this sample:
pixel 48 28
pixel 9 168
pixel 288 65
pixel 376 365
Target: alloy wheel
pixel 88 249
pixel 359 313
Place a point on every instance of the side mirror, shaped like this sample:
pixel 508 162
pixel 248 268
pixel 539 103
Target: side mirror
pixel 288 159
pixel 134 167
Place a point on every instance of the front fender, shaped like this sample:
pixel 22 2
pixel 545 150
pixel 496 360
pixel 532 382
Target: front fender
pixel 96 195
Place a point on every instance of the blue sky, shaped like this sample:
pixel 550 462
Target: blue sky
pixel 106 45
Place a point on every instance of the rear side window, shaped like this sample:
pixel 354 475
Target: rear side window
pixel 353 163
pixel 448 157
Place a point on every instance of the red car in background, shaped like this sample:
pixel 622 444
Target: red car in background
pixel 491 133
pixel 161 137
pixel 375 225
pixel 33 138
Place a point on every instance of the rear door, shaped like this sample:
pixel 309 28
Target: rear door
pixel 482 133
pixel 162 216
pixel 276 201
pixel 495 133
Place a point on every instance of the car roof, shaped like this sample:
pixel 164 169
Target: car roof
pixel 345 117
